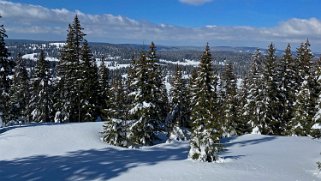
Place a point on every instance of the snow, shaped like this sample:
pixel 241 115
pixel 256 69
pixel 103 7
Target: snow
pixel 185 62
pixel 31 56
pixel 76 152
pixel 112 65
pixel 35 56
pixel 57 45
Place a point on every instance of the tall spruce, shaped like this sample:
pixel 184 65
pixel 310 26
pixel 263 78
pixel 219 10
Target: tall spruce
pixel 157 87
pixel 69 105
pixel 271 123
pixel 287 87
pixel 254 107
pixel 88 93
pixel 41 99
pixel 178 118
pixel 229 89
pixel 243 123
pixel 317 116
pixel 206 130
pixel 20 92
pixel 304 106
pixel 142 110
pixel 4 79
pixel 115 126
pixel 104 94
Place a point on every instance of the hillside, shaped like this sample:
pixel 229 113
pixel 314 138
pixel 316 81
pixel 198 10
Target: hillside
pixel 75 152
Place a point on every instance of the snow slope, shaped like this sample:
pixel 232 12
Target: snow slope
pixel 75 152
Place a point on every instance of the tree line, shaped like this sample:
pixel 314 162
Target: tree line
pixel 278 96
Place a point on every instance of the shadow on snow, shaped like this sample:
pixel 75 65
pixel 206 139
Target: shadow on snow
pixel 103 164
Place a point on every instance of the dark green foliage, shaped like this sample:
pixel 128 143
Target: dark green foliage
pixel 72 74
pixel 115 132
pixel 243 122
pixel 147 93
pixel 304 106
pixel 288 86
pixel 271 124
pixel 104 94
pixel 88 85
pixel 230 103
pixel 179 116
pixel 41 96
pixel 157 87
pixel 254 107
pixel 206 130
pixel 4 79
pixel 20 93
pixel 142 109
pixel 179 103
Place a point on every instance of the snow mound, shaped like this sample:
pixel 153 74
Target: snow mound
pixel 75 152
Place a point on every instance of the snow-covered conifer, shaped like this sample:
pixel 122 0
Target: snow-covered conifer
pixel 206 130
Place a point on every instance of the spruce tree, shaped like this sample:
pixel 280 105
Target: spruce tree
pixel 230 116
pixel 115 126
pixel 304 105
pixel 317 116
pixel 243 125
pixel 271 123
pixel 69 105
pixel 4 79
pixel 19 92
pixel 104 95
pixel 88 98
pixel 288 87
pixel 158 91
pixel 178 118
pixel 41 96
pixel 254 107
pixel 206 130
pixel 142 110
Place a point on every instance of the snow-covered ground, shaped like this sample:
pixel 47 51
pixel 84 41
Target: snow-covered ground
pixel 75 152
pixel 35 57
pixel 183 63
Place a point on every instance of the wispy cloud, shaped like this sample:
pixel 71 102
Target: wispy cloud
pixel 37 22
pixel 195 2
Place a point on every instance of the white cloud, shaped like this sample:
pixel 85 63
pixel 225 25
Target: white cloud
pixel 195 2
pixel 36 22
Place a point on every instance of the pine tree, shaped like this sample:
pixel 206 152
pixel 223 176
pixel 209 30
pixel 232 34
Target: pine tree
pixel 69 106
pixel 254 107
pixel 304 106
pixel 115 126
pixel 317 117
pixel 288 86
pixel 88 98
pixel 206 131
pixel 192 89
pixel 230 116
pixel 271 123
pixel 178 118
pixel 41 100
pixel 158 95
pixel 4 79
pixel 19 93
pixel 104 94
pixel 142 109
pixel 243 122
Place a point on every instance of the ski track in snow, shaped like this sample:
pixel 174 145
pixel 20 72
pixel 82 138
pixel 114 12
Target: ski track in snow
pixel 75 152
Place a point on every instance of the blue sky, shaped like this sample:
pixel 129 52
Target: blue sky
pixel 172 22
pixel 258 13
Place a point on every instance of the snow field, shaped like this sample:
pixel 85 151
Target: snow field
pixel 75 152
